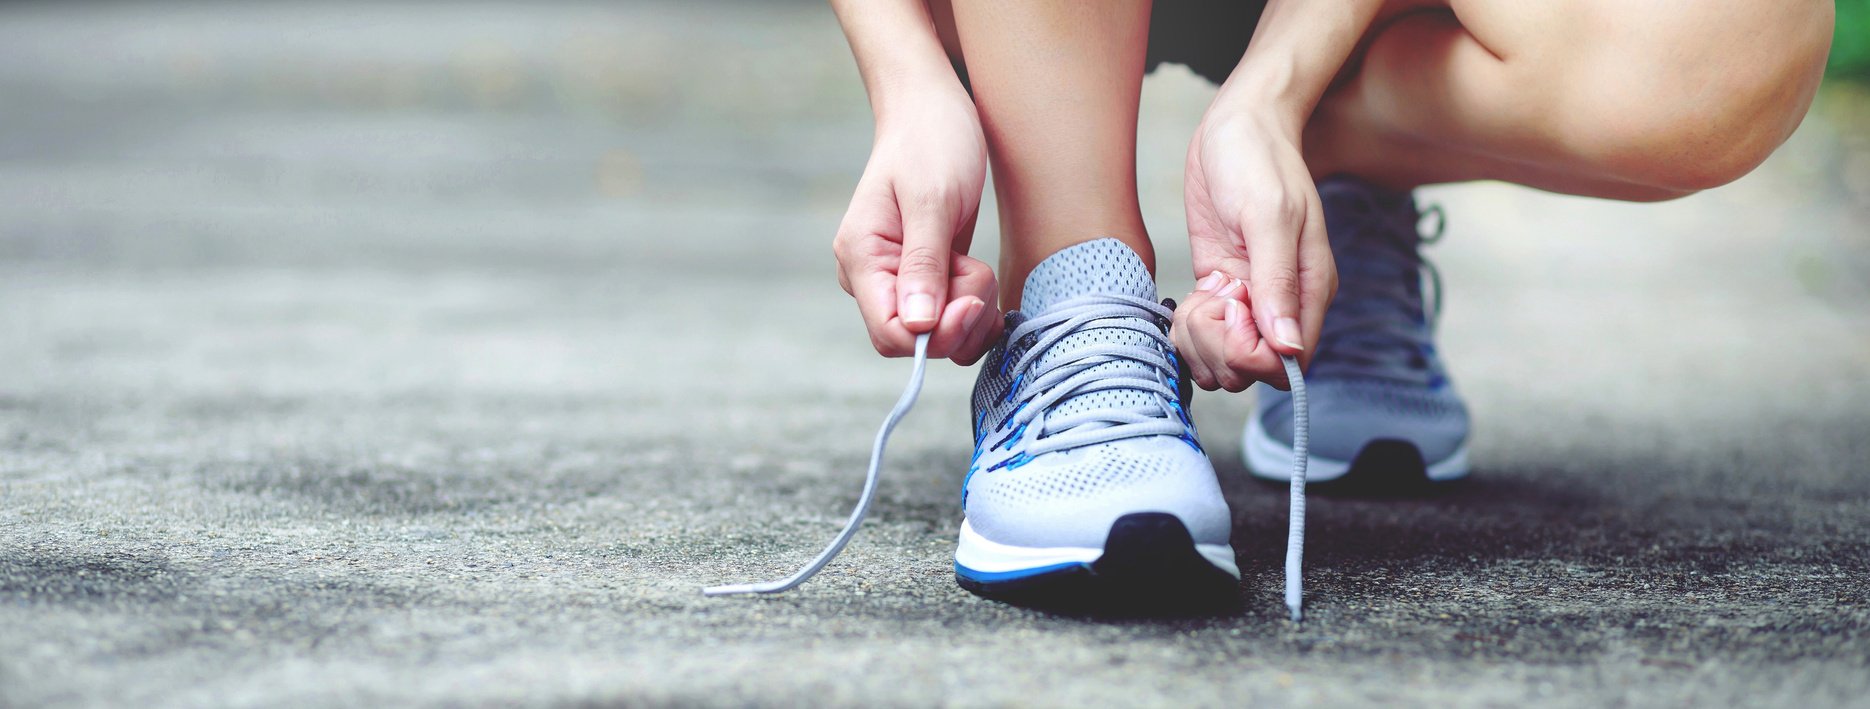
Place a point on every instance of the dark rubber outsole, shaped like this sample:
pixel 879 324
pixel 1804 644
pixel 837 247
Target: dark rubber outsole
pixel 1385 467
pixel 1150 567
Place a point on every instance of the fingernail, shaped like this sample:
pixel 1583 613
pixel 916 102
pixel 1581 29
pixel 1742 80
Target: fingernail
pixel 1286 331
pixel 1233 314
pixel 1231 288
pixel 974 309
pixel 919 308
pixel 1213 280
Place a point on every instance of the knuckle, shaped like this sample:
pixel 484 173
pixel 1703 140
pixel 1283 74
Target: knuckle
pixel 1274 208
pixel 1280 282
pixel 1324 280
pixel 921 260
pixel 935 195
pixel 882 344
pixel 1240 362
pixel 841 245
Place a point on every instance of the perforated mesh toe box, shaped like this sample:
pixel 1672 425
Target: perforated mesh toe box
pixel 1070 499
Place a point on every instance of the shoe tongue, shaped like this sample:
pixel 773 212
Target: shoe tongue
pixel 1101 266
pixel 1375 244
pixel 1361 215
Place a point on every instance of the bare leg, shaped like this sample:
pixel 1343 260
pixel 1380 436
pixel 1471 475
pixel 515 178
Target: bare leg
pixel 1057 84
pixel 1634 101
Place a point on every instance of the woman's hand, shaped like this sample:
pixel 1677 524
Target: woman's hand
pixel 1257 232
pixel 902 247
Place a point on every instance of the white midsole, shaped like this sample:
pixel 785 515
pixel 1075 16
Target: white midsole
pixel 1272 460
pixel 982 554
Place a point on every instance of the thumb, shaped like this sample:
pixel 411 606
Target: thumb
pixel 1274 287
pixel 922 274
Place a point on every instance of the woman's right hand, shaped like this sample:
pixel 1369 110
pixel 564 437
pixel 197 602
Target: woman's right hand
pixel 902 247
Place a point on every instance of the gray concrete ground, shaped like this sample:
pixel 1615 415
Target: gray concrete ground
pixel 437 354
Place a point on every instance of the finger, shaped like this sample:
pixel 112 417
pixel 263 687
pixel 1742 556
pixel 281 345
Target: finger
pixel 974 278
pixel 985 334
pixel 957 323
pixel 1318 283
pixel 1207 335
pixel 1272 237
pixel 1181 329
pixel 1209 283
pixel 1246 352
pixel 1198 370
pixel 875 292
pixel 929 221
pixel 1200 331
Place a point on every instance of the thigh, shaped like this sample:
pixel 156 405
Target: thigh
pixel 1671 95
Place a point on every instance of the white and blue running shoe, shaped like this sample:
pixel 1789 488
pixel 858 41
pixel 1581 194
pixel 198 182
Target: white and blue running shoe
pixel 1088 484
pixel 1384 415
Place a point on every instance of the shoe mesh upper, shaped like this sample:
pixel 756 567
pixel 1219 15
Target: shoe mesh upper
pixel 1376 374
pixel 1071 497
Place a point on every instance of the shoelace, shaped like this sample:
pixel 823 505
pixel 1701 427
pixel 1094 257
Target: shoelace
pixel 1295 505
pixel 1040 386
pixel 1375 332
pixel 903 403
pixel 1295 530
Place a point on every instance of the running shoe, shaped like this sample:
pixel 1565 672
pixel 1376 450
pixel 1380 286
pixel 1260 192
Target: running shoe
pixel 1384 415
pixel 1088 484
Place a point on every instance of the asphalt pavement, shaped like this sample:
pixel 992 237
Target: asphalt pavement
pixel 438 354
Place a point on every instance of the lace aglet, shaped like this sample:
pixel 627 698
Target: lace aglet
pixel 736 589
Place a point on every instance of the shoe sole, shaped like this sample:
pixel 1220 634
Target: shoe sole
pixel 1149 563
pixel 1381 463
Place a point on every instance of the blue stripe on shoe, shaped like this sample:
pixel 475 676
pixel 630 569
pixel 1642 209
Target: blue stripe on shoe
pixel 992 576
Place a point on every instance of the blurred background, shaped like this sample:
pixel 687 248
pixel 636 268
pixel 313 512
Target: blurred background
pixel 423 351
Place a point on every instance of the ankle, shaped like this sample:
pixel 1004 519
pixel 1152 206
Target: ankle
pixel 1023 247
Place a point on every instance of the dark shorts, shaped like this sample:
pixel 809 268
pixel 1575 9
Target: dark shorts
pixel 1207 36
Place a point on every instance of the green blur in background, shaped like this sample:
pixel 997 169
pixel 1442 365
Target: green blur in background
pixel 1850 48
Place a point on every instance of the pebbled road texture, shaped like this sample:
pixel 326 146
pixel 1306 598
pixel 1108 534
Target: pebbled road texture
pixel 438 354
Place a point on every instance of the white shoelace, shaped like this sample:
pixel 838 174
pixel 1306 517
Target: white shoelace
pixel 1295 513
pixel 908 399
pixel 1295 531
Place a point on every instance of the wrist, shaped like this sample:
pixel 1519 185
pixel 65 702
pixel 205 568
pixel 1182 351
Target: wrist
pixel 1266 95
pixel 920 105
pixel 905 93
pixel 1260 117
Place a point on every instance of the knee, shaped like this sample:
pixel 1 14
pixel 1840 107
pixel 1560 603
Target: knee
pixel 1701 106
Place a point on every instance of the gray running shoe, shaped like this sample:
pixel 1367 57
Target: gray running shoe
pixel 1088 485
pixel 1383 412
